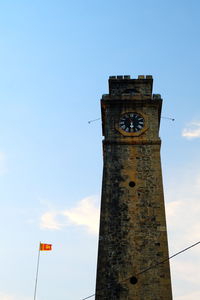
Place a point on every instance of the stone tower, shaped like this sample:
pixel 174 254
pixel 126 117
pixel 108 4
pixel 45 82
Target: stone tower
pixel 133 234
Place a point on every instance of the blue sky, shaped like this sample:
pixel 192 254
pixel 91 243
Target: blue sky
pixel 55 59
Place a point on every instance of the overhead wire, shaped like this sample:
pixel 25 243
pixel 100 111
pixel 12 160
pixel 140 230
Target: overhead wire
pixel 168 118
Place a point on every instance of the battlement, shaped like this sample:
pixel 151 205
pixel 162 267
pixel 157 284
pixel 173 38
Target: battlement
pixel 124 84
pixel 129 77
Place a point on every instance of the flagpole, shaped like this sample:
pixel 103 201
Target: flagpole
pixel 36 279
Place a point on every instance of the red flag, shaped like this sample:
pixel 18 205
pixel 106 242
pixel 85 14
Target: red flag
pixel 45 247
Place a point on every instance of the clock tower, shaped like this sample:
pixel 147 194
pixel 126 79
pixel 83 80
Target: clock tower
pixel 133 234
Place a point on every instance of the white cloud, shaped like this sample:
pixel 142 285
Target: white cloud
pixel 183 208
pixel 171 208
pixel 49 220
pixel 85 213
pixel 186 270
pixel 190 296
pixel 7 296
pixel 192 130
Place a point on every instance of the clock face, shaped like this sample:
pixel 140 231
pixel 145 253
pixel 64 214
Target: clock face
pixel 131 122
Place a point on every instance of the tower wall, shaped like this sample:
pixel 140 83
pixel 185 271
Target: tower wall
pixel 133 233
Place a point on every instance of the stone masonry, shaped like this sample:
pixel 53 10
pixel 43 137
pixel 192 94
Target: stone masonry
pixel 133 234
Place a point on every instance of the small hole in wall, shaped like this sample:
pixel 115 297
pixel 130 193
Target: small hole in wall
pixel 131 183
pixel 133 280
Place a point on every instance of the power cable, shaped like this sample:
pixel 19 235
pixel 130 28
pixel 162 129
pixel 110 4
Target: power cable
pixel 89 297
pixel 172 119
pixel 91 121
